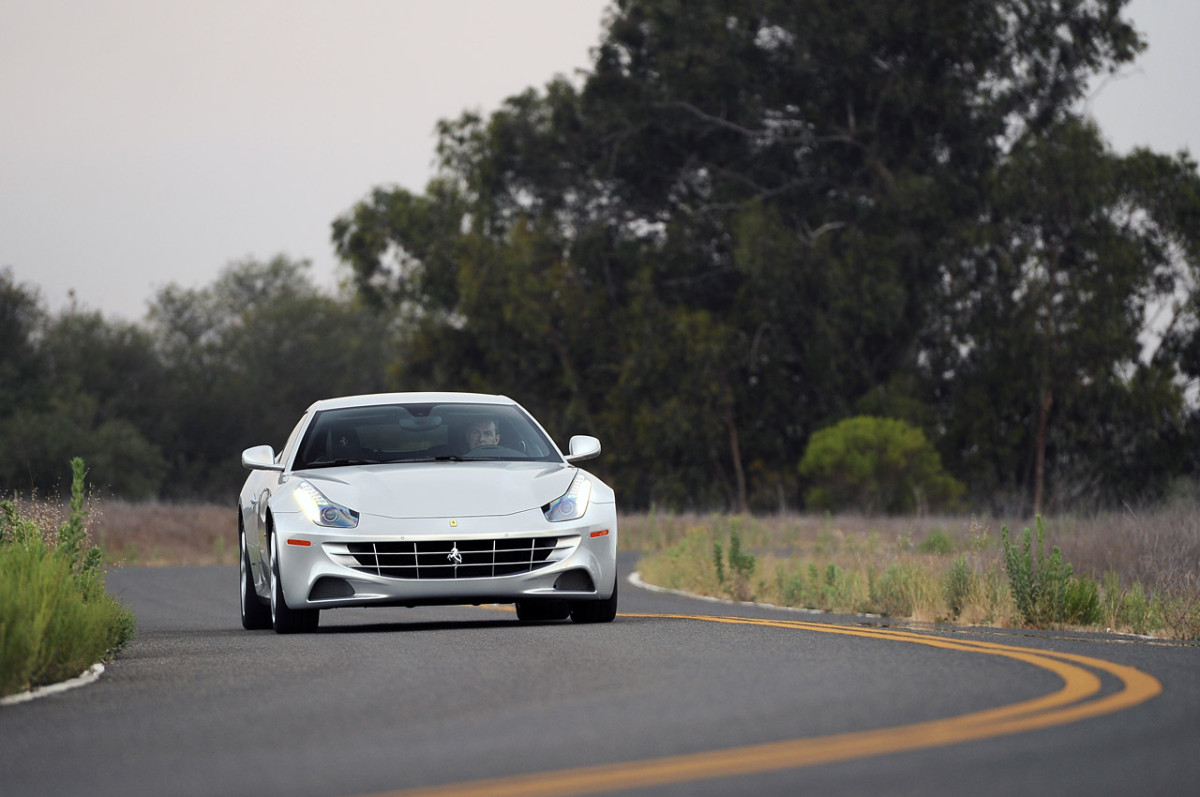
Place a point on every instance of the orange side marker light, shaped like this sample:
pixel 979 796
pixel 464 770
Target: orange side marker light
pixel 301 543
pixel 603 533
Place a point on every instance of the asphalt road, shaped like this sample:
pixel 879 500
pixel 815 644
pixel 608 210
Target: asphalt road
pixel 659 702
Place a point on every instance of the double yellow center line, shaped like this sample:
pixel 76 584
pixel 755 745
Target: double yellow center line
pixel 1076 700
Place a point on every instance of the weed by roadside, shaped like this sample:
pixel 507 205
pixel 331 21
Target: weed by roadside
pixel 1045 587
pixel 56 619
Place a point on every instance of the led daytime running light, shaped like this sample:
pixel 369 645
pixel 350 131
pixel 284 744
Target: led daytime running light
pixel 320 510
pixel 573 504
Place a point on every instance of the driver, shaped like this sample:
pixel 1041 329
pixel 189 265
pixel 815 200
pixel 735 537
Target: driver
pixel 482 433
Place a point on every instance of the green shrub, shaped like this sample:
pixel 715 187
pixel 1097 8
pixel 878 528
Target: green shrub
pixel 838 590
pixel 56 619
pixel 957 586
pixel 875 465
pixel 1081 604
pixel 793 588
pixel 1136 610
pixel 1111 598
pixel 1044 587
pixel 936 542
pixel 741 567
pixel 1181 616
pixel 893 593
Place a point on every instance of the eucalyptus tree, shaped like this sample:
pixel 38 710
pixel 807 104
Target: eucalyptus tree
pixel 1054 355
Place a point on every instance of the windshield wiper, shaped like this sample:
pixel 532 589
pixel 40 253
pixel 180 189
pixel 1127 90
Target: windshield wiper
pixel 338 463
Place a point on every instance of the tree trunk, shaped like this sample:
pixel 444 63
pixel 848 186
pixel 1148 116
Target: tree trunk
pixel 736 454
pixel 1039 469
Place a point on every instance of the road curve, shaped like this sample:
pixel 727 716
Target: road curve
pixel 676 697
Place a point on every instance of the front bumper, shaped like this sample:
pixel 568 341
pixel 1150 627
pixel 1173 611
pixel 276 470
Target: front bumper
pixel 411 562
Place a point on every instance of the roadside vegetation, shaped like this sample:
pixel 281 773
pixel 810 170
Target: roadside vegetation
pixel 1119 572
pixel 1127 572
pixel 56 619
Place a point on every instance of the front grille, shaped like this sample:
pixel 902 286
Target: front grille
pixel 452 559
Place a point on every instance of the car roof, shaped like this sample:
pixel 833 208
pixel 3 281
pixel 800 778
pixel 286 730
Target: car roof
pixel 374 399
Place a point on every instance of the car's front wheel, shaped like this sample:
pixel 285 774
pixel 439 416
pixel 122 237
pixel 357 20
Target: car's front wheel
pixel 284 619
pixel 602 611
pixel 255 614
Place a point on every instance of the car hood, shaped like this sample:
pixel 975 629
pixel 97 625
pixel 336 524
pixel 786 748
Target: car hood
pixel 442 489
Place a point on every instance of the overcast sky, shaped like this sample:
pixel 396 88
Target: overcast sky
pixel 145 142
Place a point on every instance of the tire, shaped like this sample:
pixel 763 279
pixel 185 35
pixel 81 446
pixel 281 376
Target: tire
pixel 284 619
pixel 601 611
pixel 537 611
pixel 256 615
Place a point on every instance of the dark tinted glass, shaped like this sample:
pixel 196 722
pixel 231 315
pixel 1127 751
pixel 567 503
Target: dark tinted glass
pixel 422 432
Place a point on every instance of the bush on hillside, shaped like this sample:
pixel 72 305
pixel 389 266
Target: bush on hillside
pixel 876 465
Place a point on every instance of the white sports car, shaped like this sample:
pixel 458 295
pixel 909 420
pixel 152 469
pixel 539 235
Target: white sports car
pixel 406 499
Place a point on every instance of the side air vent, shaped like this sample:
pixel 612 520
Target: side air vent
pixel 575 581
pixel 330 587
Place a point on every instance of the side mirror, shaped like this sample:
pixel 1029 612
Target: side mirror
pixel 260 458
pixel 583 447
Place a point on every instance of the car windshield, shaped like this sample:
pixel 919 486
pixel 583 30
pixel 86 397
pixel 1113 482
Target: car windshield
pixel 422 433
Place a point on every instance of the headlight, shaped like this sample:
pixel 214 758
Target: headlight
pixel 320 510
pixel 573 504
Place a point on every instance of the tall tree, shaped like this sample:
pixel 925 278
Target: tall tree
pixel 1043 348
pixel 772 198
pixel 21 315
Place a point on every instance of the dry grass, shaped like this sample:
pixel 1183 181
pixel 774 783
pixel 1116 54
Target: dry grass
pixel 844 564
pixel 1146 565
pixel 1157 549
pixel 157 533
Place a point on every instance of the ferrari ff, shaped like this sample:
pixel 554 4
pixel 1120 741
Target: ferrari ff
pixel 411 499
